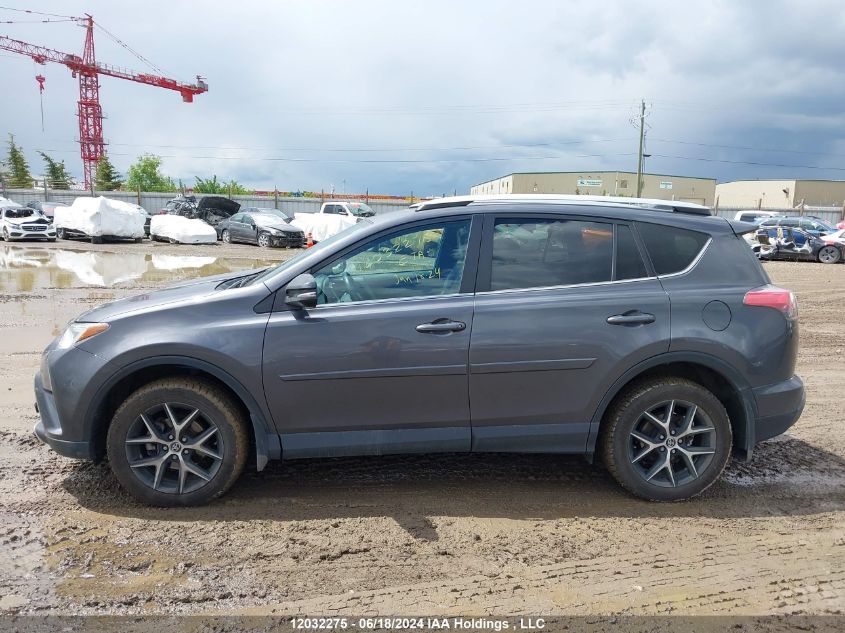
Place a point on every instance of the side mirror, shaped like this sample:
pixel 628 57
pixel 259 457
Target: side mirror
pixel 301 292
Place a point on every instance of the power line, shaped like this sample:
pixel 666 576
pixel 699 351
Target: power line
pixel 30 11
pixel 743 162
pixel 745 147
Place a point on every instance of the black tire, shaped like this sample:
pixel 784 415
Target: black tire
pixel 60 233
pixel 226 237
pixel 620 449
pixel 51 239
pixel 138 240
pixel 6 237
pixel 264 240
pixel 215 408
pixel 96 240
pixel 829 255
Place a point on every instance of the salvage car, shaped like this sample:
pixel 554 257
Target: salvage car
pixel 24 223
pixel 47 208
pixel 788 243
pixel 177 229
pixel 264 229
pixel 641 332
pixel 812 225
pixel 210 209
pixel 99 219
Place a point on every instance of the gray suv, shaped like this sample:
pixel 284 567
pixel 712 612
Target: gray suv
pixel 642 331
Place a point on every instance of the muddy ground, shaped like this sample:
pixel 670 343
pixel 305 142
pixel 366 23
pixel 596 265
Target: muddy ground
pixel 503 534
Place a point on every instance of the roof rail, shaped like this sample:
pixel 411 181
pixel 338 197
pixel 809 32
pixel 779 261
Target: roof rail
pixel 675 206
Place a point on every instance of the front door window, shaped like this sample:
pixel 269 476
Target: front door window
pixel 417 262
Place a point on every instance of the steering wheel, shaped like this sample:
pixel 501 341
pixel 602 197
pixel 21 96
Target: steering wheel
pixel 336 286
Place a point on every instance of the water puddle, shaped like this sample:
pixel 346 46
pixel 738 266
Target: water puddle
pixel 29 269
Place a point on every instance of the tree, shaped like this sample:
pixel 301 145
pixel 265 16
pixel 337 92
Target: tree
pixel 56 174
pixel 212 185
pixel 107 177
pixel 145 174
pixel 19 176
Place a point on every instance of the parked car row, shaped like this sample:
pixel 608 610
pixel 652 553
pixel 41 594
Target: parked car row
pixel 793 237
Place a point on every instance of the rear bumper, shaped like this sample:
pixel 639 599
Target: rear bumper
pixel 49 429
pixel 778 407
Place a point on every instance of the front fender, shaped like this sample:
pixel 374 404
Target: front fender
pixel 267 445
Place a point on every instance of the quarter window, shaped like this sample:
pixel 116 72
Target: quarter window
pixel 538 252
pixel 671 249
pixel 418 262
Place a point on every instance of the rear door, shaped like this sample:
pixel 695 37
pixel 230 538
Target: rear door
pixel 564 305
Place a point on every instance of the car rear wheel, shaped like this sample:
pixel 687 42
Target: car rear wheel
pixel 177 442
pixel 829 255
pixel 227 237
pixel 666 439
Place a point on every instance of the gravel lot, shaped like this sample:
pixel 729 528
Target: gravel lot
pixel 502 534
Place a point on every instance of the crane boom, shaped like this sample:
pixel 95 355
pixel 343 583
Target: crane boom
pixel 87 69
pixel 42 55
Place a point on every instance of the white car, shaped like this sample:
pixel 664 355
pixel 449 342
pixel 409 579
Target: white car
pixel 837 237
pixel 755 215
pixel 23 223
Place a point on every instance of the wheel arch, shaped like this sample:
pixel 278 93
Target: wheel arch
pixel 122 383
pixel 727 384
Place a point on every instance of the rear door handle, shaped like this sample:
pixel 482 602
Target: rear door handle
pixel 441 326
pixel 631 318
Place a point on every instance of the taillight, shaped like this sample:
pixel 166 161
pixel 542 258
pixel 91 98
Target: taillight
pixel 773 297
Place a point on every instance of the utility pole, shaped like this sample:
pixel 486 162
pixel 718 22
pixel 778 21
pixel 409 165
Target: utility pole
pixel 640 152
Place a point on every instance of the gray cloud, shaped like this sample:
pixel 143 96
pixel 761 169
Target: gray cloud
pixel 548 85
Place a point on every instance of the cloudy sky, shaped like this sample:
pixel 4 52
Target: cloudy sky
pixel 435 96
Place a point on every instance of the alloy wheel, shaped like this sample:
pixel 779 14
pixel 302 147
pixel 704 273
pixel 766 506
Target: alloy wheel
pixel 829 255
pixel 174 448
pixel 672 443
pixel 263 240
pixel 227 238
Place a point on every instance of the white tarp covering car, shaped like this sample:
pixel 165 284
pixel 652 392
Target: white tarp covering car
pixel 100 217
pixel 321 226
pixel 176 228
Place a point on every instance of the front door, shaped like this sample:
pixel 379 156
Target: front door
pixel 380 365
pixel 564 306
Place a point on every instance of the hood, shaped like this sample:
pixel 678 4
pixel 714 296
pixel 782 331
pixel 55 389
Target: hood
pixel 218 205
pixel 279 225
pixel 188 291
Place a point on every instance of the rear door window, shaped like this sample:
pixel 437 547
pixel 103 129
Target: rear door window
pixel 536 253
pixel 670 248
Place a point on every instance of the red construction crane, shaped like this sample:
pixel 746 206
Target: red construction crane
pixel 92 146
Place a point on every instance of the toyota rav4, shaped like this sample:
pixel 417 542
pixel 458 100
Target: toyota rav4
pixel 642 332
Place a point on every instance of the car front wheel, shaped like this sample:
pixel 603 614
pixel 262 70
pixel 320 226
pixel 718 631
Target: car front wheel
pixel 226 237
pixel 666 439
pixel 177 442
pixel 264 240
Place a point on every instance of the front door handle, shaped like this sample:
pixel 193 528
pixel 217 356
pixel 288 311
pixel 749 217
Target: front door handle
pixel 631 318
pixel 441 326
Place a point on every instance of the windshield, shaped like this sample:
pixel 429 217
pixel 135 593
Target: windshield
pixel 322 245
pixel 361 210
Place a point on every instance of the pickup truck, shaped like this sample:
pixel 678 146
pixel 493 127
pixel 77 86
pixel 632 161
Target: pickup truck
pixel 353 210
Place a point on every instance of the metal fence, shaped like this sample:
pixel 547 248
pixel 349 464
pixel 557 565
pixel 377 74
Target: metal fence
pixel 153 201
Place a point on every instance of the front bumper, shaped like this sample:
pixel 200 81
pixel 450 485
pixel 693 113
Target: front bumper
pixel 288 240
pixel 778 407
pixel 49 429
pixel 23 234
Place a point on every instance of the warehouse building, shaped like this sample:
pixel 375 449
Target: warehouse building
pixel 603 183
pixel 780 194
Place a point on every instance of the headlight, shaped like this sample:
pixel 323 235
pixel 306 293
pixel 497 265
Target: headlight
pixel 78 332
pixel 14 226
